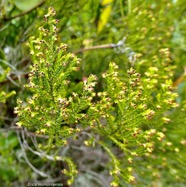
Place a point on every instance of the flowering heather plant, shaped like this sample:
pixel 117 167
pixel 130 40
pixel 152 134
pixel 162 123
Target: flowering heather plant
pixel 127 114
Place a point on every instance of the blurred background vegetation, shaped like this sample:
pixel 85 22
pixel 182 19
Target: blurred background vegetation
pixel 135 33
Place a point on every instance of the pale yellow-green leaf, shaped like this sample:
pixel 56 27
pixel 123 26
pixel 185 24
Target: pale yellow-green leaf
pixel 104 14
pixel 25 5
pixel 106 2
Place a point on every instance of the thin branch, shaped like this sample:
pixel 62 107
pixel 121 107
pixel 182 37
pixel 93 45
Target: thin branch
pixel 12 81
pixel 13 78
pixel 28 162
pixel 104 46
pixel 18 129
pixel 44 155
pixel 180 79
pixel 26 12
pixel 16 75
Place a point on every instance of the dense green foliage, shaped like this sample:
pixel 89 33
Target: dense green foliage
pixel 109 115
